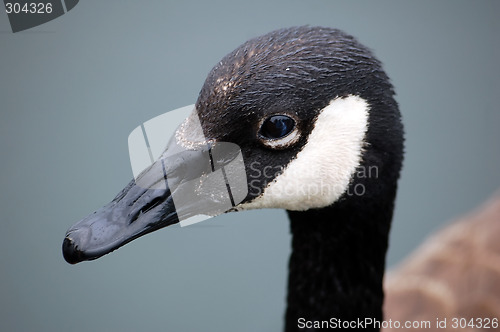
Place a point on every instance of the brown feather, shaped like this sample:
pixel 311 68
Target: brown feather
pixel 454 274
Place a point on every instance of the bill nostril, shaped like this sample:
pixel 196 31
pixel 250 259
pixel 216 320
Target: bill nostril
pixel 151 203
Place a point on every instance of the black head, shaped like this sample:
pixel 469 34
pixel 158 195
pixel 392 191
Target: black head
pixel 297 73
pixel 306 105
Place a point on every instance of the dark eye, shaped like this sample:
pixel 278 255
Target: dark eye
pixel 277 126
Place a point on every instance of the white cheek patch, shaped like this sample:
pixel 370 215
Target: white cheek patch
pixel 323 169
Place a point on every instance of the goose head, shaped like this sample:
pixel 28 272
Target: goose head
pixel 315 121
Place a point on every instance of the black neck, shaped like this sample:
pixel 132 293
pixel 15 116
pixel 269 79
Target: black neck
pixel 338 261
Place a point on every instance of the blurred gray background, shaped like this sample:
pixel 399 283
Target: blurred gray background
pixel 72 90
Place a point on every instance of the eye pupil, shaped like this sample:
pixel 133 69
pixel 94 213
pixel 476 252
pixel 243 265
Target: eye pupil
pixel 277 126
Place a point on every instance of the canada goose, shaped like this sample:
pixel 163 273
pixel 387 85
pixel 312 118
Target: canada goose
pixel 316 106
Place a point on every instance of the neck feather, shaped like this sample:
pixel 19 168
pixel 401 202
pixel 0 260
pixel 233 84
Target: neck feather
pixel 338 261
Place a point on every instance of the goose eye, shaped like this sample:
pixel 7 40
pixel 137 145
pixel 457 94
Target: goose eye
pixel 277 126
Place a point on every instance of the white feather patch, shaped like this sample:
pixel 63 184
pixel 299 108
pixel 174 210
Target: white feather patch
pixel 323 169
